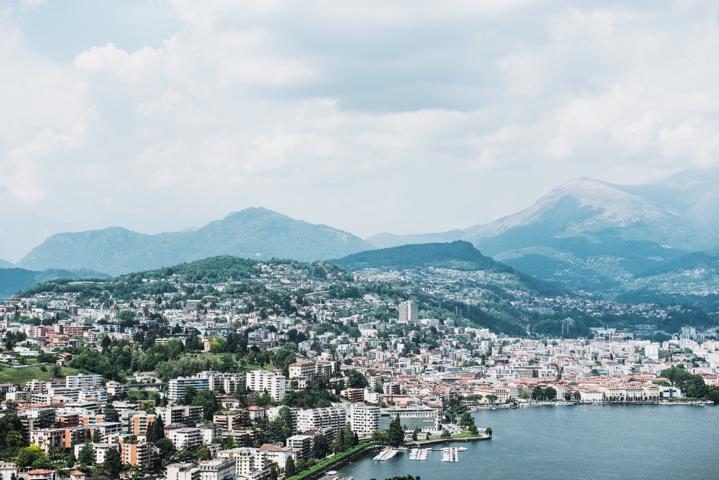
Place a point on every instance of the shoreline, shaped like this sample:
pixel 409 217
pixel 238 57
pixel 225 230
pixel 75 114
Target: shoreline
pixel 517 406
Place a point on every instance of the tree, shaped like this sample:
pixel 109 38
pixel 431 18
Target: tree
pixel 537 394
pixel 113 463
pixel 550 393
pixel 87 455
pixel 156 431
pixel 395 432
pixel 111 414
pixel 466 420
pixel 166 447
pixel 445 433
pixel 290 467
pixel 339 444
pixel 31 456
pixel 473 429
pixel 14 440
pixel 355 379
pixel 320 447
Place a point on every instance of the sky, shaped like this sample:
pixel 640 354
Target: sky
pixel 401 116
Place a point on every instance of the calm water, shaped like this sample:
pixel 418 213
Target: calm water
pixel 583 442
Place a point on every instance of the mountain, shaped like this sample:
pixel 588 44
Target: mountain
pixel 14 280
pixel 251 233
pixel 5 264
pixel 596 236
pixel 458 255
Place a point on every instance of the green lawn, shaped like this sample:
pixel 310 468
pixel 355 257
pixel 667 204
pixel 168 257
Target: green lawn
pixel 23 374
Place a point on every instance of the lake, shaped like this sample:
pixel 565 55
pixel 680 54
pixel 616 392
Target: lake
pixel 579 442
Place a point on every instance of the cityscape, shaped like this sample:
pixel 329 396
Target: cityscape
pixel 359 240
pixel 241 369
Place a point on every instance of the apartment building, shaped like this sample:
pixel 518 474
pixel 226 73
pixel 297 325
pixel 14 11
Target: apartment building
pixel 327 420
pixel 188 437
pixel 217 469
pixel 364 419
pixel 178 386
pixel 263 381
pixel 83 381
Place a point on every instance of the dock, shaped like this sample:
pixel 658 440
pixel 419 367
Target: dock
pixel 450 454
pixel 385 454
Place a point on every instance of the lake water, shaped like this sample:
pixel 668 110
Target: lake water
pixel 580 442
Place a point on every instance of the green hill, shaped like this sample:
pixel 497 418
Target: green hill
pixel 14 280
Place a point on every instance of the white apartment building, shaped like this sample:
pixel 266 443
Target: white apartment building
pixel 83 381
pixel 181 471
pixel 263 381
pixel 303 369
pixel 364 419
pixel 408 312
pixel 221 381
pixel 249 462
pixel 329 419
pixel 217 469
pixel 185 437
pixel 178 386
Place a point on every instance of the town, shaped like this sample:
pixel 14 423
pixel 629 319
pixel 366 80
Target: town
pixel 235 369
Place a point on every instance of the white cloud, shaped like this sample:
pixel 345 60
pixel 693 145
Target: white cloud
pixel 330 110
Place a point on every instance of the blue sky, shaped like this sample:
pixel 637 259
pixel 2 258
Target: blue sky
pixel 402 116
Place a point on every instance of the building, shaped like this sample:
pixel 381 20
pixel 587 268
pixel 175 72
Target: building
pixel 83 381
pixel 188 437
pixel 42 474
pixel 249 462
pixel 326 420
pixel 136 453
pixel 301 445
pixel 231 421
pixel 139 422
pixel 263 381
pixel 412 418
pixel 8 470
pixel 100 450
pixel 180 414
pixel 217 469
pixel 229 383
pixel 178 386
pixel 303 369
pixel 364 419
pixel 182 471
pixel 354 395
pixel 408 312
pixel 277 455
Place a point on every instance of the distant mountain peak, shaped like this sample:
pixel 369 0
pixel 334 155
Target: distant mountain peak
pixel 250 233
pixel 251 213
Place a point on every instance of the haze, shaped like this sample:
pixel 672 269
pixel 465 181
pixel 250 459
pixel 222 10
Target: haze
pixel 402 117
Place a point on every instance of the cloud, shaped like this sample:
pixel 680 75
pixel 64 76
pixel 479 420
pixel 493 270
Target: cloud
pixel 354 114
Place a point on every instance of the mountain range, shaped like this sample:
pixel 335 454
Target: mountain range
pixel 658 240
pixel 597 236
pixel 251 233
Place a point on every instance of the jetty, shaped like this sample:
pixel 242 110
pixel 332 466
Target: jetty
pixel 386 454
pixel 450 454
pixel 419 454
